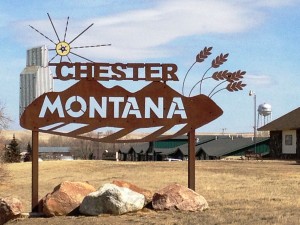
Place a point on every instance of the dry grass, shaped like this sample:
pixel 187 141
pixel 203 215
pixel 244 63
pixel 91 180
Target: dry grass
pixel 238 192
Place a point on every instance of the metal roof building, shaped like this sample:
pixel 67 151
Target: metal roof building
pixel 50 153
pixel 285 135
pixel 210 147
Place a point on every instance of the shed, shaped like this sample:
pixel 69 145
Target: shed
pixel 285 135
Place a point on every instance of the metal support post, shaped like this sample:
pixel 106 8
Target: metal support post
pixel 191 162
pixel 35 172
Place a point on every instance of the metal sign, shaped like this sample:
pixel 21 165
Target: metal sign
pixel 88 105
pixel 91 106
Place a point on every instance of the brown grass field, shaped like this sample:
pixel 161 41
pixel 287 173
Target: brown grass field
pixel 238 192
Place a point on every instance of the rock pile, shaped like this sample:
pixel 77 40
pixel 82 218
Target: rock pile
pixel 118 197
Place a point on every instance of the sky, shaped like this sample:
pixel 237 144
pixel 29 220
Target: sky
pixel 261 37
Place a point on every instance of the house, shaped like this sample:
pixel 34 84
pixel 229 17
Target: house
pixel 285 135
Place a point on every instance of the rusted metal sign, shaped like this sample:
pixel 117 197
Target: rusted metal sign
pixel 88 105
pixel 91 105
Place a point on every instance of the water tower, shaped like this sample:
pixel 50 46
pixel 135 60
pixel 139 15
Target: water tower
pixel 264 114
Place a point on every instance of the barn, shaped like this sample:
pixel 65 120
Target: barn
pixel 285 135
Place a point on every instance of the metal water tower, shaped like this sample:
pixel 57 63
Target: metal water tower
pixel 264 114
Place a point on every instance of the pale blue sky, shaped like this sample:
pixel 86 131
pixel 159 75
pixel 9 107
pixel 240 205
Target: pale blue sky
pixel 261 37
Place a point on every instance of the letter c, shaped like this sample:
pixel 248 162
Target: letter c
pixel 59 68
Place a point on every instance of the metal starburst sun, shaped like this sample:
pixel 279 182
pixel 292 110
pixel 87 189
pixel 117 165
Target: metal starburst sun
pixel 62 47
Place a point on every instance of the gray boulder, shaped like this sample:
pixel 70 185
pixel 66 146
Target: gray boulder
pixel 111 199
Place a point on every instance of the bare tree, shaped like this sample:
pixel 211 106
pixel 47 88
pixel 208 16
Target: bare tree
pixel 4 122
pixel 58 141
pixel 4 119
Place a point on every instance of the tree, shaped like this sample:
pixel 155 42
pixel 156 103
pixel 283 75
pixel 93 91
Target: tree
pixel 27 157
pixel 12 152
pixel 4 119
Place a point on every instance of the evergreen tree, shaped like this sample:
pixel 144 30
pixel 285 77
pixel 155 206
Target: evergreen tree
pixel 27 157
pixel 12 152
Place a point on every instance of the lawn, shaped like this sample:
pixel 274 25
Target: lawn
pixel 238 192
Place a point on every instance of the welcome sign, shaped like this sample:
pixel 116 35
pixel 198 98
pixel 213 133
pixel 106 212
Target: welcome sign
pixel 89 106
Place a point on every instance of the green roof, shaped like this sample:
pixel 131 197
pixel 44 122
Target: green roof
pixel 224 146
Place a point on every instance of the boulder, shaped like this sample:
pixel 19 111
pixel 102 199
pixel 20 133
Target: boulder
pixel 148 194
pixel 10 208
pixel 176 196
pixel 66 198
pixel 111 199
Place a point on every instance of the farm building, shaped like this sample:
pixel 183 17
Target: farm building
pixel 207 147
pixel 50 153
pixel 136 152
pixel 238 146
pixel 285 135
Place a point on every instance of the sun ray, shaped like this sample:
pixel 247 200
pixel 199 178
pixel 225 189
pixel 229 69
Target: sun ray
pixel 42 34
pixel 52 58
pixel 66 29
pixel 81 33
pixel 91 46
pixel 69 59
pixel 81 57
pixel 53 27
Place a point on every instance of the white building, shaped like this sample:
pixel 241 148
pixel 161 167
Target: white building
pixel 36 78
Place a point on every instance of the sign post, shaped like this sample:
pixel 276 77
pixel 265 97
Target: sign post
pixel 191 161
pixel 35 171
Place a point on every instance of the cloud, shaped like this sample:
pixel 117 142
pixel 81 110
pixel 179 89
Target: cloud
pixel 259 80
pixel 144 33
pixel 274 3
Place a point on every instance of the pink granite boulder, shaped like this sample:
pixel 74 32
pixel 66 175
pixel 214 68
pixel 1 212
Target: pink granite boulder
pixel 178 197
pixel 10 208
pixel 66 198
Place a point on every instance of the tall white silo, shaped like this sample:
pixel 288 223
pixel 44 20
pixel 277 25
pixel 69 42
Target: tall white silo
pixel 36 78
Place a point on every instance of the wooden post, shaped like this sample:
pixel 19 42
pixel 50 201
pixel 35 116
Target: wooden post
pixel 35 172
pixel 191 162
